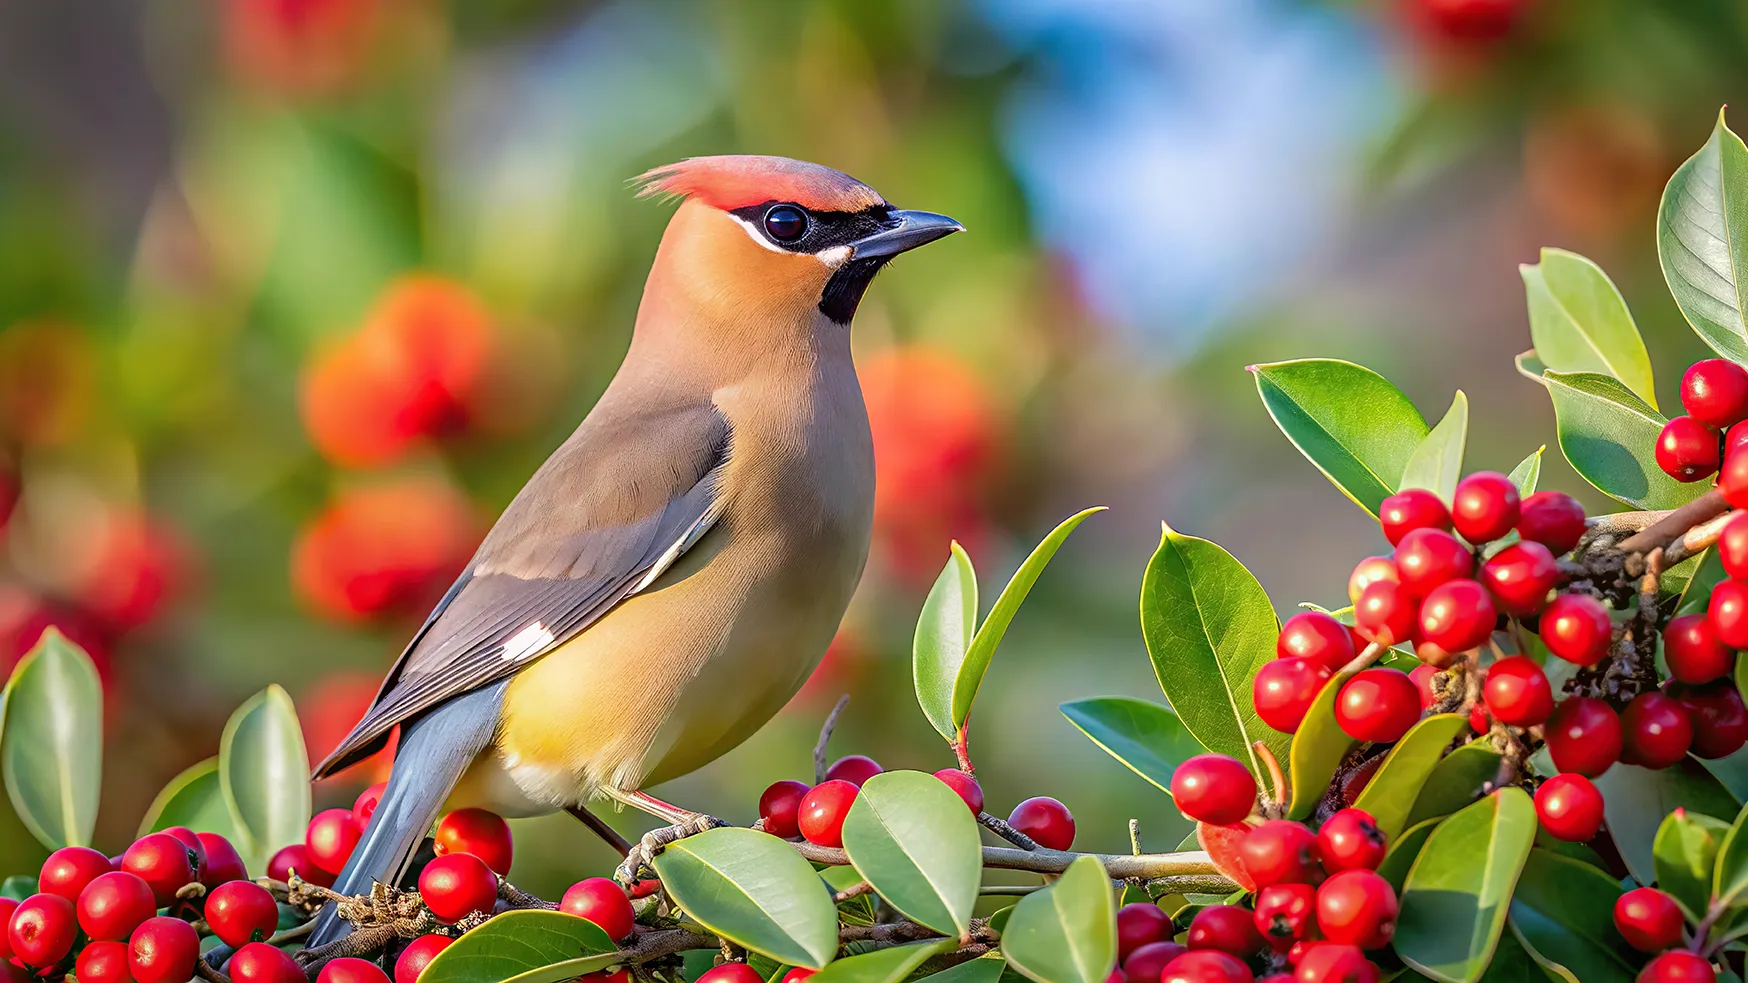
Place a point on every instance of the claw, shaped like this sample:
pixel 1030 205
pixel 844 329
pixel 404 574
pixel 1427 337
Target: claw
pixel 642 854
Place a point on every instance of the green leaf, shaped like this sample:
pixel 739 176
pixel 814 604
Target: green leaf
pixel 1610 436
pixel 1455 781
pixel 195 799
pixel 527 946
pixel 1437 462
pixel 1318 747
pixel 1511 964
pixel 18 887
pixel 1731 877
pixel 1528 472
pixel 986 968
pixel 1580 323
pixel 1209 627
pixel 913 840
pixel 52 752
pixel 1404 850
pixel 1702 241
pixel 1635 800
pixel 1530 367
pixel 264 772
pixel 1348 420
pixel 1146 737
pixel 1454 900
pixel 1067 932
pixel 1708 572
pixel 890 965
pixel 1390 795
pixel 989 635
pixel 1563 914
pixel 1684 853
pixel 754 890
pixel 943 636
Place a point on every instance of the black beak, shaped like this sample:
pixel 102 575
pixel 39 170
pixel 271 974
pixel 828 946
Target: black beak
pixel 903 231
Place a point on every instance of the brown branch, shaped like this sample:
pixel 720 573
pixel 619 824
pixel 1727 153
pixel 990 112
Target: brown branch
pixel 1696 540
pixel 1000 827
pixel 1672 525
pixel 207 972
pixel 855 890
pixel 1044 861
pixel 519 899
pixel 825 736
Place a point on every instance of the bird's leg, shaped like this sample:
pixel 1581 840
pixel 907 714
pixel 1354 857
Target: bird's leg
pixel 599 827
pixel 681 824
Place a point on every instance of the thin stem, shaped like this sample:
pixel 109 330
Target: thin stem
pixel 962 749
pixel 1008 890
pixel 825 736
pixel 1135 837
pixel 1672 525
pixel 855 890
pixel 1000 827
pixel 1368 655
pixel 1044 861
pixel 1277 780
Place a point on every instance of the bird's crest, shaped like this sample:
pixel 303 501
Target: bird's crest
pixel 736 181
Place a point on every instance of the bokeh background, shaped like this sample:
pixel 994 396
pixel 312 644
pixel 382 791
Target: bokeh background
pixel 294 294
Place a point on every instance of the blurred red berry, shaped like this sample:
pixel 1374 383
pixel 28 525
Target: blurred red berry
pixel 1656 731
pixel 1284 690
pixel 479 832
pixel 1422 678
pixel 240 912
pixel 602 901
pixel 1733 480
pixel 1410 509
pixel 1334 963
pixel 1648 919
pixel 365 805
pixel 1214 788
pixel 964 786
pixel 1687 450
pixel 1584 736
pixel 1350 840
pixel 1280 851
pixel 297 858
pixel 114 904
pixel 69 869
pixel 163 862
pixel 855 769
pixel 331 838
pixel 103 962
pixel 823 810
pixel 417 955
pixel 1316 636
pixel 163 950
pixel 391 547
pixel 1576 628
pixel 139 567
pixel 800 973
pixel 780 808
pixel 1378 705
pixel 1678 966
pixel 731 973
pixel 1520 577
pixel 1045 820
pixel 1552 518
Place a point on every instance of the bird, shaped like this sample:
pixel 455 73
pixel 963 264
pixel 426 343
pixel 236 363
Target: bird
pixel 674 571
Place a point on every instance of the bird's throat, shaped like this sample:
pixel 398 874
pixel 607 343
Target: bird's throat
pixel 843 292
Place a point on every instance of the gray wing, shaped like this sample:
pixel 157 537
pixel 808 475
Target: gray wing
pixel 612 508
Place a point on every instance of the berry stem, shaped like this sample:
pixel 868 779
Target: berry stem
pixel 1001 828
pixel 1368 655
pixel 1120 866
pixel 1673 524
pixel 825 736
pixel 1696 540
pixel 962 749
pixel 1277 780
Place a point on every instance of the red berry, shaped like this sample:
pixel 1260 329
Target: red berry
pixel 241 912
pixel 1733 480
pixel 1720 721
pixel 1569 807
pixel 1678 966
pixel 69 869
pixel 1332 963
pixel 1316 636
pixel 1046 821
pixel 1656 731
pixel 1350 840
pixel 1421 676
pixel 1147 963
pixel 1520 577
pixel 330 839
pixel 1378 705
pixel 1714 391
pixel 1576 628
pixel 7 907
pixel 1280 852
pixel 1692 650
pixel 601 901
pixel 1284 690
pixel 855 769
pixel 1205 966
pixel 1386 614
pixel 42 930
pixel 259 962
pixel 1429 557
pixel 1139 924
pixel 1478 721
pixel 1368 572
pixel 1457 615
pixel 1485 506
pixel 191 840
pixel 780 807
pixel 1285 914
pixel 823 810
pixel 1687 450
pixel 351 969
pixel 1734 438
pixel 800 973
pixel 964 786
pixel 1648 919
pixel 1728 611
pixel 163 950
pixel 1517 692
pixel 1552 518
pixel 1357 907
pixel 1733 547
pixel 1214 788
pixel 365 805
pixel 163 862
pixel 116 903
pixel 103 962
pixel 417 955
pixel 296 858
pixel 457 886
pixel 479 832
pixel 1411 509
pixel 1584 736
pixel 223 863
pixel 1224 928
pixel 731 973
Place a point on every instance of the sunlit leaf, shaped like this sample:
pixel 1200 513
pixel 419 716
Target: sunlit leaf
pixel 1580 323
pixel 1356 427
pixel 195 799
pixel 1455 781
pixel 1455 898
pixel 1684 853
pixel 1702 241
pixel 1730 879
pixel 1390 795
pixel 1067 932
pixel 1610 435
pixel 986 968
pixel 1146 737
pixel 264 772
pixel 943 636
pixel 528 946
pixel 51 741
pixel 755 890
pixel 1403 850
pixel 1528 472
pixel 1317 749
pixel 888 965
pixel 1635 800
pixel 913 840
pixel 1437 462
pixel 1563 913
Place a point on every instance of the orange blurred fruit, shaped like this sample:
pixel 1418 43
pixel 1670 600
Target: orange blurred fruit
pixel 330 708
pixel 300 47
pixel 141 565
pixel 385 549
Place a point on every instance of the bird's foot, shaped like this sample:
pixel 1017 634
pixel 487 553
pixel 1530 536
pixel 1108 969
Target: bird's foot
pixel 644 851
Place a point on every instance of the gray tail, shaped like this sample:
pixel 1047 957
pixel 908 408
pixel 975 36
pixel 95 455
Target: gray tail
pixel 433 752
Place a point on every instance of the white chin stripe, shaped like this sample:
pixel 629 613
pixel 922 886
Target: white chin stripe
pixel 527 642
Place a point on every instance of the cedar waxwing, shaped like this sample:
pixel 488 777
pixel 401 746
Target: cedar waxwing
pixel 670 577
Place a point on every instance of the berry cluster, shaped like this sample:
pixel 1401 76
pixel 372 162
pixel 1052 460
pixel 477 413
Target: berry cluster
pixel 1651 921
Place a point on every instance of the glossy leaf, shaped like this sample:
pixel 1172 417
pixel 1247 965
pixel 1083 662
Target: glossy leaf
pixel 1067 932
pixel 1455 781
pixel 943 636
pixel 889 965
pixel 1702 241
pixel 754 890
pixel 1146 737
pixel 1530 366
pixel 527 946
pixel 1635 800
pixel 1356 427
pixel 18 886
pixel 1580 323
pixel 1730 879
pixel 1708 572
pixel 51 741
pixel 989 634
pixel 986 968
pixel 264 772
pixel 1455 897
pixel 1563 914
pixel 1608 434
pixel 195 799
pixel 1209 627
pixel 1318 747
pixel 913 840
pixel 1437 462
pixel 1683 854
pixel 1528 472
pixel 1390 795
pixel 1404 850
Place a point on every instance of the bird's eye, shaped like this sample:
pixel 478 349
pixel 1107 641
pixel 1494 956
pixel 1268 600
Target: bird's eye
pixel 785 223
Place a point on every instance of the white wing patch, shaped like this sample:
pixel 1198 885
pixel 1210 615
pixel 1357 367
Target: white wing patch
pixel 527 642
pixel 686 542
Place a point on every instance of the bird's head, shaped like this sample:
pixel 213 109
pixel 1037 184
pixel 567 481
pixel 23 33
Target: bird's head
pixel 775 236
